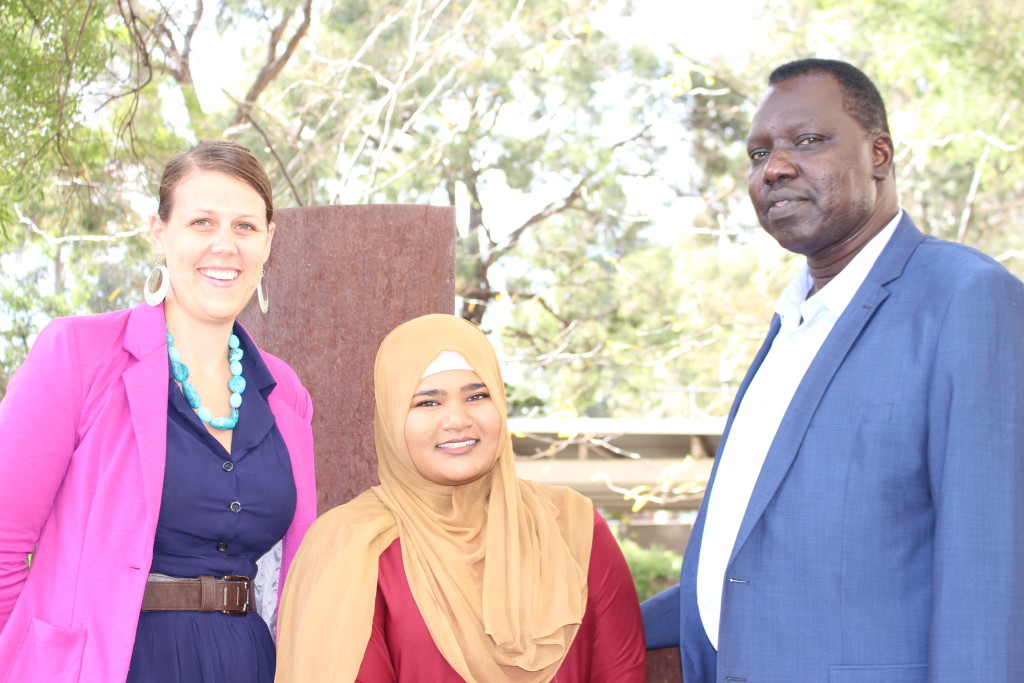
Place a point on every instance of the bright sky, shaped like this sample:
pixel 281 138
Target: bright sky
pixel 702 29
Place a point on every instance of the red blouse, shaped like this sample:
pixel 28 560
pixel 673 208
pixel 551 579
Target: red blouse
pixel 608 647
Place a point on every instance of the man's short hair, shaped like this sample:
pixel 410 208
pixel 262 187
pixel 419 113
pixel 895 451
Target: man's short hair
pixel 861 98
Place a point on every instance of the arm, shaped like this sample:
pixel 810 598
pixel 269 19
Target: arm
pixel 976 465
pixel 38 434
pixel 661 619
pixel 619 654
pixel 293 411
pixel 377 666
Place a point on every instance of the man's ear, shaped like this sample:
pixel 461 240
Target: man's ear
pixel 882 155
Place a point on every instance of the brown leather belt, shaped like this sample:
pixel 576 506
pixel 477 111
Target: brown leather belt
pixel 229 595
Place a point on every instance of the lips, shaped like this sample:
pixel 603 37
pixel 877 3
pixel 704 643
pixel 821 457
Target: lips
pixel 460 444
pixel 223 275
pixel 781 201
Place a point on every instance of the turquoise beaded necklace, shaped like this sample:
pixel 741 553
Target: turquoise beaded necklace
pixel 236 384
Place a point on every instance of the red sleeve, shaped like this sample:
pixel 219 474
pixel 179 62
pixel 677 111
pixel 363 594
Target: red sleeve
pixel 376 666
pixel 619 653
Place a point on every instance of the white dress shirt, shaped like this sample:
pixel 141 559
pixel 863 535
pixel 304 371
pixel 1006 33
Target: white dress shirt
pixel 805 325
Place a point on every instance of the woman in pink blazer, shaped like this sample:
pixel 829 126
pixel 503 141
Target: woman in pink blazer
pixel 149 457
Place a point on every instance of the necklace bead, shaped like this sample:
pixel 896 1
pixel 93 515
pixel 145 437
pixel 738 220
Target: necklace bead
pixel 236 384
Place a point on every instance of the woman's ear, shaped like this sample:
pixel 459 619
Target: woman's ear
pixel 270 238
pixel 156 235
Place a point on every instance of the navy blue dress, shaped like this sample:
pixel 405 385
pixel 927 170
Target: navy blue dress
pixel 219 513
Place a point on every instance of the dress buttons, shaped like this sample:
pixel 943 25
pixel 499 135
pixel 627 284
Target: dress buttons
pixel 228 466
pixel 222 546
pixel 235 506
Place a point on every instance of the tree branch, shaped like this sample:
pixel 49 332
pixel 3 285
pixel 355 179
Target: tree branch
pixel 274 64
pixel 184 66
pixel 972 192
pixel 270 145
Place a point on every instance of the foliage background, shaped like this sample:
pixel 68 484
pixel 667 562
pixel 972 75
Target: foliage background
pixel 653 568
pixel 593 150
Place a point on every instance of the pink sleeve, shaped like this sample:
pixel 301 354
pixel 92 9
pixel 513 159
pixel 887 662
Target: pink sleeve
pixel 38 427
pixel 619 653
pixel 293 410
pixel 377 666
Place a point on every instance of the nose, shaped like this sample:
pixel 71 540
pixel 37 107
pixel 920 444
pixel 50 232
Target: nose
pixel 779 166
pixel 224 240
pixel 457 418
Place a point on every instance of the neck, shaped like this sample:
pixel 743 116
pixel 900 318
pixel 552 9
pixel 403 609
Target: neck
pixel 824 267
pixel 201 345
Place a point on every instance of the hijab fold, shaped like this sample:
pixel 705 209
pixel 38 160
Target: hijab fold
pixel 497 567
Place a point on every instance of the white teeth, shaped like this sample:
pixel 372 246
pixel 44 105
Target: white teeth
pixel 457 444
pixel 220 274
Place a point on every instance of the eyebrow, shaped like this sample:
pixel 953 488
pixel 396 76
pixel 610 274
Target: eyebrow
pixel 439 392
pixel 217 212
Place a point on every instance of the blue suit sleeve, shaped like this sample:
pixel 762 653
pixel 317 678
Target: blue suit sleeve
pixel 976 466
pixel 661 619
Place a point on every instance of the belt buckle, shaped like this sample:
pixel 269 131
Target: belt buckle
pixel 245 606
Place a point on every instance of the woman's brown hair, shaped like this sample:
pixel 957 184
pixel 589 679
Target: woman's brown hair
pixel 223 156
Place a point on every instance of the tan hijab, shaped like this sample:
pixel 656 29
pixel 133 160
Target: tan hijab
pixel 498 567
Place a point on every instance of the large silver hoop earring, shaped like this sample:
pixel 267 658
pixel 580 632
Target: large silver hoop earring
pixel 155 297
pixel 264 303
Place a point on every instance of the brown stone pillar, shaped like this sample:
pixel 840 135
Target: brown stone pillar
pixel 338 280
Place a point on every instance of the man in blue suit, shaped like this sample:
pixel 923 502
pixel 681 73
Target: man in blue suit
pixel 865 519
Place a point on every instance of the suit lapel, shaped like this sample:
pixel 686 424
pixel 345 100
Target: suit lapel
pixel 766 345
pixel 146 385
pixel 697 533
pixel 826 363
pixel 288 423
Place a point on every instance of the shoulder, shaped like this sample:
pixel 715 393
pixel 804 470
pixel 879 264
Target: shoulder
pixel 938 274
pixel 363 517
pixel 573 512
pixel 74 356
pixel 82 337
pixel 283 373
pixel 913 261
pixel 289 388
pixel 940 261
pixel 100 325
pixel 563 498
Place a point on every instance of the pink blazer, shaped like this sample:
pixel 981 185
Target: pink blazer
pixel 83 431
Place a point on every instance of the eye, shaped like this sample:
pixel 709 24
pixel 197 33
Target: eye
pixel 809 140
pixel 202 222
pixel 479 396
pixel 246 226
pixel 425 403
pixel 757 155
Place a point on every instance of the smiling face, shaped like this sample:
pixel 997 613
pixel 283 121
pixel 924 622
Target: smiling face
pixel 215 241
pixel 821 185
pixel 452 428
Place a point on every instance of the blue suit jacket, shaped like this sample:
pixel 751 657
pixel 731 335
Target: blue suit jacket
pixel 883 539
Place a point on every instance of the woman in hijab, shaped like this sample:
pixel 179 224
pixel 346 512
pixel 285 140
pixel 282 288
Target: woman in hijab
pixel 452 568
